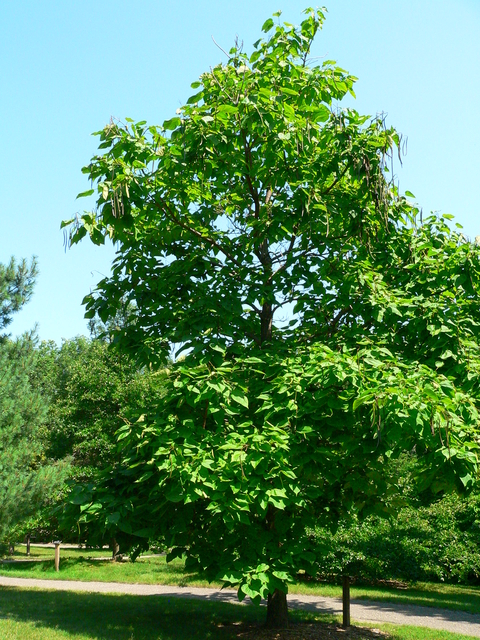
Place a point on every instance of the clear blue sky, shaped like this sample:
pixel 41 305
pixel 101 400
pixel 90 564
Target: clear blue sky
pixel 67 67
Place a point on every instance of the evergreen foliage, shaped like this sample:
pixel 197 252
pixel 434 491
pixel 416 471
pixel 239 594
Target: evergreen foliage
pixel 16 287
pixel 27 478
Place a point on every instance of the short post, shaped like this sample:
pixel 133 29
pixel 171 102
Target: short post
pixel 28 544
pixel 57 555
pixel 346 602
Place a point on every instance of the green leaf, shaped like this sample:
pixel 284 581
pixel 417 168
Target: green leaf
pixel 281 575
pixel 430 393
pixel 195 98
pixel 240 398
pixel 227 108
pixel 175 494
pixel 232 577
pixel 85 194
pixel 322 113
pixel 267 25
pixel 251 593
pixel 113 518
pixel 124 526
pixel 172 124
pixel 361 400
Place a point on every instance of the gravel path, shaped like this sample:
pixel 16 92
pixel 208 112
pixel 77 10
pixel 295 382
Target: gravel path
pixel 361 610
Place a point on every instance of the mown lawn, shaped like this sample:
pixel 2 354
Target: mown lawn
pixel 48 552
pixel 79 565
pixel 30 614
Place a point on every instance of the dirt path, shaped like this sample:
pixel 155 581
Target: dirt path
pixel 361 610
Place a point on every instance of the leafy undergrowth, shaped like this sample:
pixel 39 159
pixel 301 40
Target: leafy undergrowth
pixel 436 542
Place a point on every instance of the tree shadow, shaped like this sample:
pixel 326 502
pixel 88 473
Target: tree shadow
pixel 123 617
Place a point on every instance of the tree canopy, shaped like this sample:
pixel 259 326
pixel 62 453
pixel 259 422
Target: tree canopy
pixel 325 326
pixel 89 389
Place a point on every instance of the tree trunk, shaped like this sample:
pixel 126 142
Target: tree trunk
pixel 277 610
pixel 115 549
pixel 266 322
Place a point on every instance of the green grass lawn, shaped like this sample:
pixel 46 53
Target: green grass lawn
pixel 49 615
pixel 457 597
pixel 30 614
pixel 78 565
pixel 48 552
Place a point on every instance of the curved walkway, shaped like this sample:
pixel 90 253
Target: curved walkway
pixel 361 610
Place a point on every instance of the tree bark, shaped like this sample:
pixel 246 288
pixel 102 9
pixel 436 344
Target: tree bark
pixel 277 610
pixel 115 549
pixel 266 322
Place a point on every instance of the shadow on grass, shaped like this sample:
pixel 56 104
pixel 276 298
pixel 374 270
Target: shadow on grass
pixel 123 617
pixel 35 569
pixel 99 616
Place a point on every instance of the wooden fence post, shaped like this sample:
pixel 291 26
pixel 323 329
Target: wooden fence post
pixel 57 555
pixel 346 602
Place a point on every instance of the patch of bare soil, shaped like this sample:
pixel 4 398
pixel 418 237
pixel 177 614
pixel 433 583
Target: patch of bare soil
pixel 309 631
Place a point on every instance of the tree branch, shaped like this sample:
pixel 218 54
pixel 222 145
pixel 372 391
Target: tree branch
pixel 341 314
pixel 251 188
pixel 335 182
pixel 284 265
pixel 216 43
pixel 169 213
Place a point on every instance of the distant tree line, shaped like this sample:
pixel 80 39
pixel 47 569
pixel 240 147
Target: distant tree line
pixel 60 407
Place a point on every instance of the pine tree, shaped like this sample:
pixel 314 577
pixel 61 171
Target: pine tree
pixel 26 477
pixel 16 287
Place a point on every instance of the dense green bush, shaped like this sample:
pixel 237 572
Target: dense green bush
pixel 436 542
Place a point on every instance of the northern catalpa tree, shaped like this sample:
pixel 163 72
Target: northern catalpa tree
pixel 325 327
